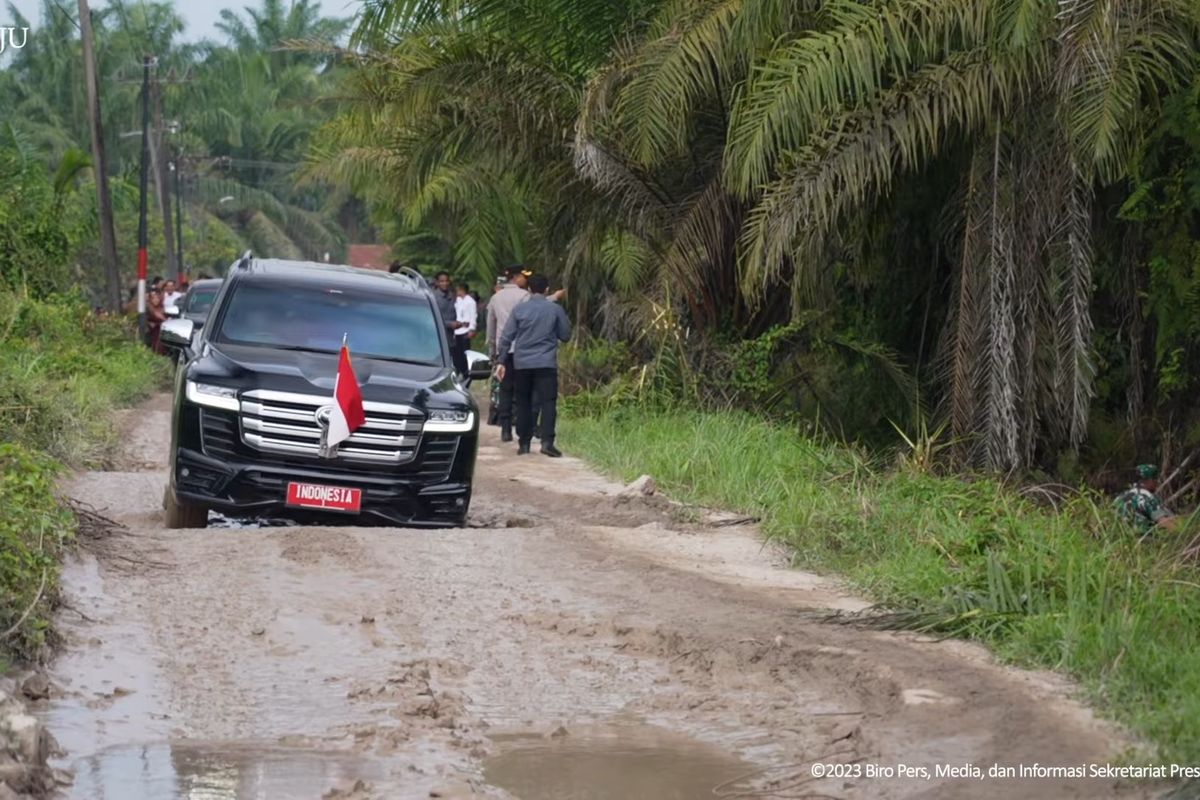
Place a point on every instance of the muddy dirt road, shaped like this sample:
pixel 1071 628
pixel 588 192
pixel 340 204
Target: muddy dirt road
pixel 572 644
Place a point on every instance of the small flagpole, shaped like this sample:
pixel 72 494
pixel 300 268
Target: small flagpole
pixel 324 449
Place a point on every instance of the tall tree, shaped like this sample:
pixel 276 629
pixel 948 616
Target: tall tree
pixel 100 163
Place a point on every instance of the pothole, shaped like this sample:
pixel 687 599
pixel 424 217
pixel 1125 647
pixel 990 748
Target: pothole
pixel 639 762
pixel 230 771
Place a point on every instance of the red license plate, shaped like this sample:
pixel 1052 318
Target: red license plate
pixel 329 498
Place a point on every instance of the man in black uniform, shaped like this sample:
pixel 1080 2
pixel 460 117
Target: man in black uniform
pixel 444 298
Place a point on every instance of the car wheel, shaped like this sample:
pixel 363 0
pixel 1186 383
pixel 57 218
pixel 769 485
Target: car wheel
pixel 181 514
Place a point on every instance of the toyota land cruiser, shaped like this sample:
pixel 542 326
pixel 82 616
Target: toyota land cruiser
pixel 254 389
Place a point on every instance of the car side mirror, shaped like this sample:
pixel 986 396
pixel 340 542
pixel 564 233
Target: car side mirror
pixel 177 332
pixel 171 311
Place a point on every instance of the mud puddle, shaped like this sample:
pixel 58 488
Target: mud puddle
pixel 619 763
pixel 204 771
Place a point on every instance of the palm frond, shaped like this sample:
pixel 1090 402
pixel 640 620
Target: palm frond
pixel 1111 54
pixel 859 154
pixel 826 72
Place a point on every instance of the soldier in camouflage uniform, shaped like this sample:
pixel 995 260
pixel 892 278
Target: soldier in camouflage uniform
pixel 1141 507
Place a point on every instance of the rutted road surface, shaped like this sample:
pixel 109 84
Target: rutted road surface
pixel 572 644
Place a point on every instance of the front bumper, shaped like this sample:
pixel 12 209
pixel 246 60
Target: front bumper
pixel 252 488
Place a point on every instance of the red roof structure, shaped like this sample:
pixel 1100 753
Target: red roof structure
pixel 369 256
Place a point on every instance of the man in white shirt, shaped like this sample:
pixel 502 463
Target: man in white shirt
pixel 466 313
pixel 171 296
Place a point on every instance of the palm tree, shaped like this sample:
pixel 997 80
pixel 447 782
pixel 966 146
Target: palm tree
pixel 1049 99
pixel 42 86
pixel 273 25
pixel 461 118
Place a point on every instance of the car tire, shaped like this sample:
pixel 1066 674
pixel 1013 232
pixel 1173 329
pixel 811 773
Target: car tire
pixel 180 514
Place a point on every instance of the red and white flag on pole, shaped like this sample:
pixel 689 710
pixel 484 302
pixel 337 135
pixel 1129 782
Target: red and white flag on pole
pixel 347 413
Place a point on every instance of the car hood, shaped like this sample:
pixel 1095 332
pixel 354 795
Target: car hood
pixel 250 367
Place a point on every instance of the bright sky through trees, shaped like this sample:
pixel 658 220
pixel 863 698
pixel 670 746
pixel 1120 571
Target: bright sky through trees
pixel 201 15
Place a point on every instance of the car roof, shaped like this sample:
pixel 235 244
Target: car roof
pixel 206 283
pixel 315 273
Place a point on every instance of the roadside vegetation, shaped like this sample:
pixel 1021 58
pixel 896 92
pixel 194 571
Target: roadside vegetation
pixel 63 370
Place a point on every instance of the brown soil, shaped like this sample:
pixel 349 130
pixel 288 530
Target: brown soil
pixel 381 663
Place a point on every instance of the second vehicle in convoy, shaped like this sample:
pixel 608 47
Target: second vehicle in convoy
pixel 254 393
pixel 198 301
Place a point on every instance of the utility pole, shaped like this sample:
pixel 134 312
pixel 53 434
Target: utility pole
pixel 143 179
pixel 177 167
pixel 108 239
pixel 158 158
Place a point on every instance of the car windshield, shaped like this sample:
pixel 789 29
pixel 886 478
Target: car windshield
pixel 199 300
pixel 376 326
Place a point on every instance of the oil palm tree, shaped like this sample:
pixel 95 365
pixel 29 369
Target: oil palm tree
pixel 460 117
pixel 831 109
pixel 1051 100
pixel 273 25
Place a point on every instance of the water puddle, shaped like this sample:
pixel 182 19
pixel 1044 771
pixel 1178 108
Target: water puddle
pixel 218 520
pixel 618 763
pixel 170 771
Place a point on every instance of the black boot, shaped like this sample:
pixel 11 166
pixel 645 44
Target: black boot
pixel 523 448
pixel 506 433
pixel 548 449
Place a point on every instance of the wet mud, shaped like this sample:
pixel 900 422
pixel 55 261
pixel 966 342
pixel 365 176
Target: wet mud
pixel 571 642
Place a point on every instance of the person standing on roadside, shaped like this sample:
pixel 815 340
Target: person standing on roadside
pixel 155 317
pixel 534 330
pixel 1141 507
pixel 512 292
pixel 445 305
pixel 499 308
pixel 465 313
pixel 170 296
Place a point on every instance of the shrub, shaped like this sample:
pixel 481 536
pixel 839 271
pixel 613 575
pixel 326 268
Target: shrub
pixel 33 530
pixel 62 371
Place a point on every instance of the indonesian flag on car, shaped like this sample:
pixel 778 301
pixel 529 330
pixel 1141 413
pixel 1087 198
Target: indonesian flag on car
pixel 347 412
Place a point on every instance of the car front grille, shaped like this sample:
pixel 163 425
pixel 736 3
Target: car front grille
pixel 220 433
pixel 285 423
pixel 437 456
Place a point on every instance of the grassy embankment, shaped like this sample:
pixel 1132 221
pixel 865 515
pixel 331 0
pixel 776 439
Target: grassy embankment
pixel 1069 589
pixel 62 371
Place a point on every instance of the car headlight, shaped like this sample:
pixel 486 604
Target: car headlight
pixel 449 421
pixel 207 394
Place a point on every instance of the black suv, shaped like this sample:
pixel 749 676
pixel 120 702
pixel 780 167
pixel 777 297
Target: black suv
pixel 198 301
pixel 254 390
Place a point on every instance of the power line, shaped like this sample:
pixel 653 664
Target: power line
pixel 63 11
pixel 250 162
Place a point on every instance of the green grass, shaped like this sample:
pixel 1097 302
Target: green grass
pixel 1070 590
pixel 62 373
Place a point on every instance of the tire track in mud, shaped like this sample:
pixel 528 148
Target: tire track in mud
pixel 375 663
